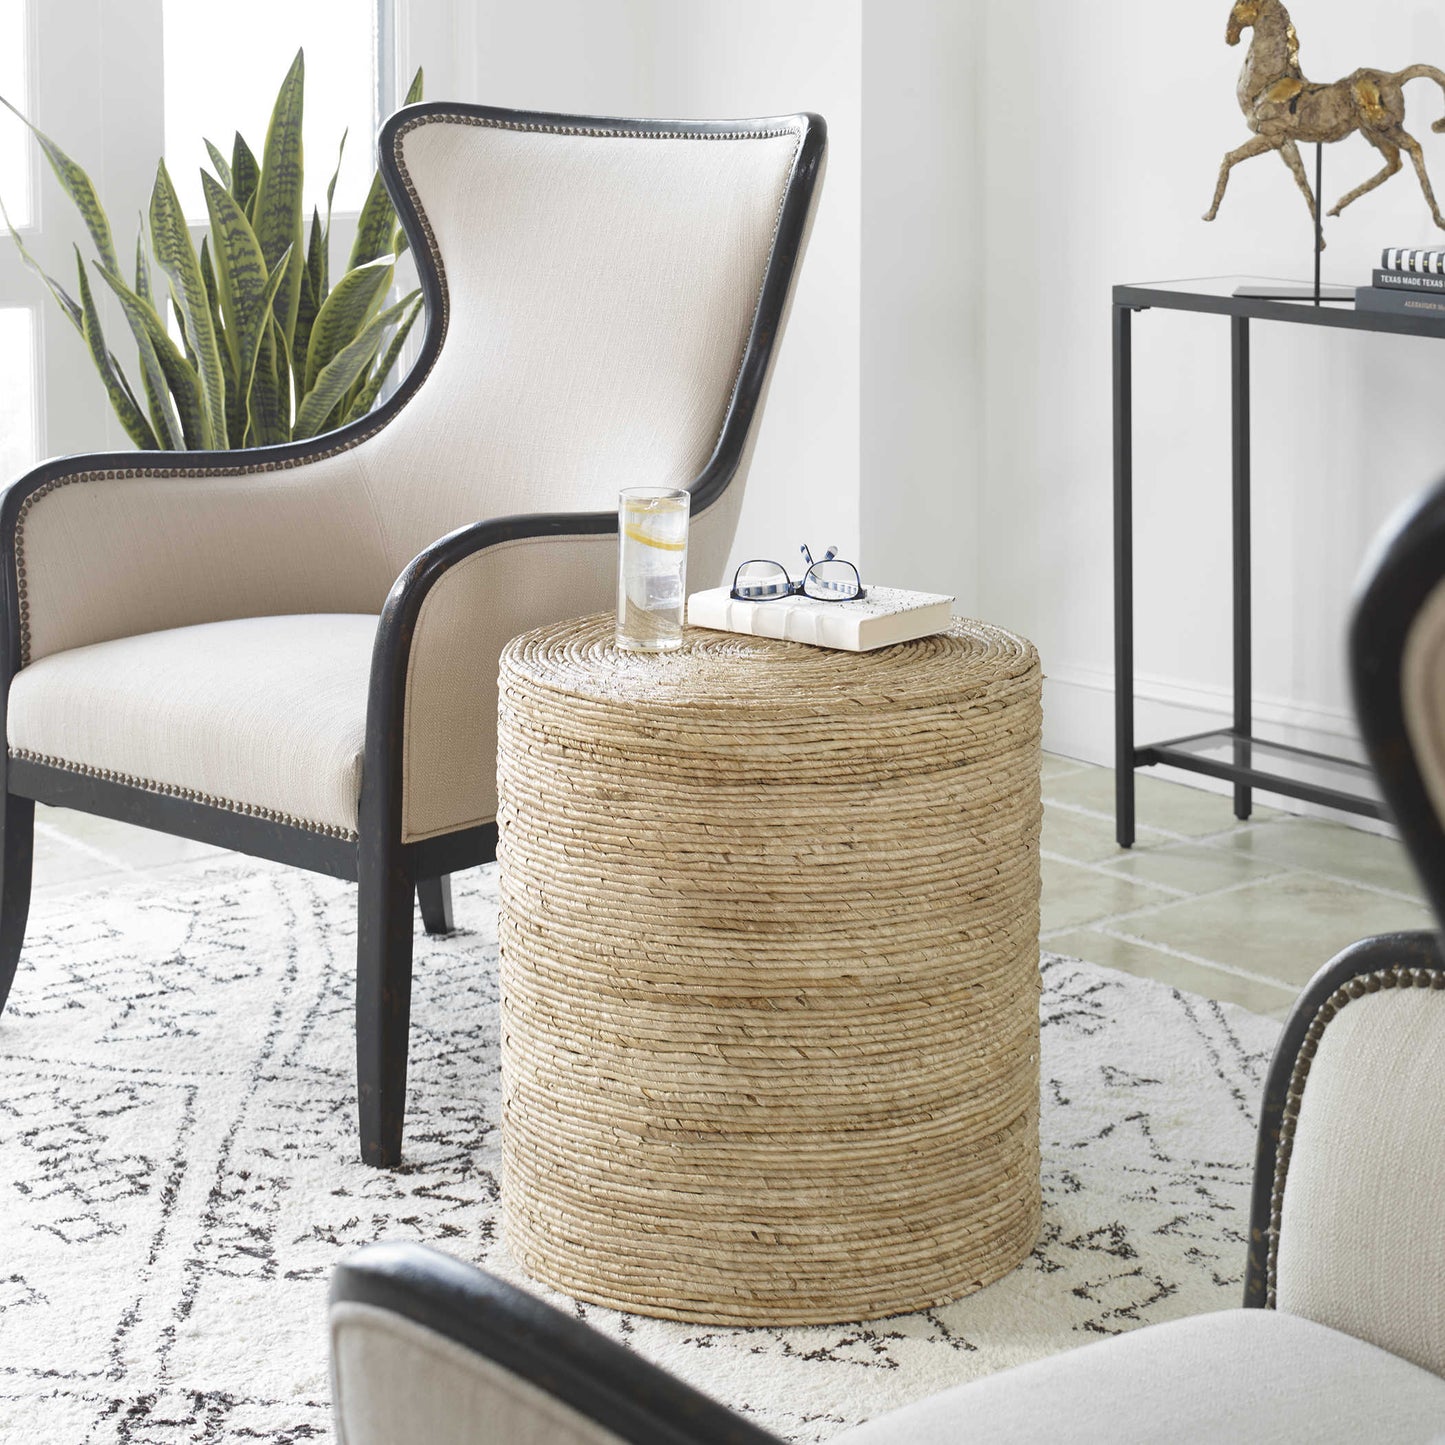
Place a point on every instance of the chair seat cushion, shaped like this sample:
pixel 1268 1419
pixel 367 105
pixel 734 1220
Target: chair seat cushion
pixel 1255 1375
pixel 263 714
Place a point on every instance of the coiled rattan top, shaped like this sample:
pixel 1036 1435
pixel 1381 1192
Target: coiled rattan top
pixel 727 671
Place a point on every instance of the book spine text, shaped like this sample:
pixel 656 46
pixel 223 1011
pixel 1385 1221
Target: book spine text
pixel 1408 281
pixel 1399 303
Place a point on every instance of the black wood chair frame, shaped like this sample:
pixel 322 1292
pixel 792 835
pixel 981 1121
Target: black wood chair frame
pixel 390 874
pixel 1404 569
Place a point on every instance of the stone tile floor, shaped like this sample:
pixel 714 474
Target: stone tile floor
pixel 1244 912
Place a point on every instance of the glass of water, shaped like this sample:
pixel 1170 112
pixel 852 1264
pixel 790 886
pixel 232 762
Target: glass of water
pixel 651 567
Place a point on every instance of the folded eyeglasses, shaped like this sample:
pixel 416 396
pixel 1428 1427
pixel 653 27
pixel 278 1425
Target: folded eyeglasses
pixel 827 580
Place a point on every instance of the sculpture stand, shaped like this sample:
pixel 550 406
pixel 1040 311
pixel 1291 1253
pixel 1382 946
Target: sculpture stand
pixel 1316 293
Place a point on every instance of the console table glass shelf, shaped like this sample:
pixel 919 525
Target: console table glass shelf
pixel 1233 753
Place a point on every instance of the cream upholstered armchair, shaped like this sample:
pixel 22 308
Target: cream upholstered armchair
pixel 292 652
pixel 1342 1337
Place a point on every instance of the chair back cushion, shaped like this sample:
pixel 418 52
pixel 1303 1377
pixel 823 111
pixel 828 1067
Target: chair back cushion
pixel 599 290
pixel 1361 1244
pixel 395 1382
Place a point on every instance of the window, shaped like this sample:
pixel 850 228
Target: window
pixel 15 186
pixel 222 74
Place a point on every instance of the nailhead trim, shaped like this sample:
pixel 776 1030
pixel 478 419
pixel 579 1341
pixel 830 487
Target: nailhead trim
pixel 149 785
pixel 489 122
pixel 1397 976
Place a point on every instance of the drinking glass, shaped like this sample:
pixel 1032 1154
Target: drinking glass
pixel 651 567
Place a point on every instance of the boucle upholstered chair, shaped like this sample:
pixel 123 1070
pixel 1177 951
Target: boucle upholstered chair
pixel 292 652
pixel 1342 1338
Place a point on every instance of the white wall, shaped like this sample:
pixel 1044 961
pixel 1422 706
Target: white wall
pixel 922 253
pixel 97 91
pixel 1104 129
pixel 688 58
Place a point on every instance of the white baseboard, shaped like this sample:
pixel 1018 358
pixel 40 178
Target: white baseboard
pixel 1079 723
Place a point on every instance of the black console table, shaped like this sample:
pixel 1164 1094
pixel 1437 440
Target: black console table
pixel 1231 753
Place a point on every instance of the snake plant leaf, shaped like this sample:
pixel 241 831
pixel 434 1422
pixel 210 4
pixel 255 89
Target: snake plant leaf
pixel 316 267
pixel 116 387
pixel 269 404
pixel 371 387
pixel 348 402
pixel 245 173
pixel 180 324
pixel 345 313
pixel 341 372
pixel 277 221
pixel 377 223
pixel 313 292
pixel 180 376
pixel 241 272
pixel 254 337
pixel 234 411
pixel 185 386
pixel 222 165
pixel 305 320
pixel 285 367
pixel 230 370
pixel 332 384
pixel 77 185
pixel 143 287
pixel 63 299
pixel 208 280
pixel 176 256
pixel 335 176
pixel 153 377
pixel 374 226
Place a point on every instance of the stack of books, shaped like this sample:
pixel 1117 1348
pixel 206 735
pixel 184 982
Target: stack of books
pixel 1406 283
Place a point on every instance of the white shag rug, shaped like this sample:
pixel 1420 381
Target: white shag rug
pixel 178 1173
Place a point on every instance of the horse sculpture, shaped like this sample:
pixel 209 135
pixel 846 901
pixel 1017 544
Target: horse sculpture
pixel 1283 108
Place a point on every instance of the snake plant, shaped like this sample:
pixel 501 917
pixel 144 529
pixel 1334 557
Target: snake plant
pixel 265 349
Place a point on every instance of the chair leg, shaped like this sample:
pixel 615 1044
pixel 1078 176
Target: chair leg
pixel 435 897
pixel 17 852
pixel 385 919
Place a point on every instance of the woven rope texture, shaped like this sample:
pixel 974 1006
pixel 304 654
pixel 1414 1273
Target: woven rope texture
pixel 769 970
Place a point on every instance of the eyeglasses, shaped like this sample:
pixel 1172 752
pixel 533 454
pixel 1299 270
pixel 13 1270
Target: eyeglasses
pixel 827 580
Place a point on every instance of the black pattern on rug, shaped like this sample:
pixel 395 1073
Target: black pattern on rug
pixel 178 1173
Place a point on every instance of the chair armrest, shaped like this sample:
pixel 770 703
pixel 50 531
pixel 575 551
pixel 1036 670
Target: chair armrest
pixel 434 671
pixel 1348 1220
pixel 100 547
pixel 426 1348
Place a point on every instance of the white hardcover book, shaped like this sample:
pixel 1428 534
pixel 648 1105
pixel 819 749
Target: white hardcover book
pixel 883 616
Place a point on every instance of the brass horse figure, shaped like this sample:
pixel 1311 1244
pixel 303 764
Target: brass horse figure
pixel 1283 108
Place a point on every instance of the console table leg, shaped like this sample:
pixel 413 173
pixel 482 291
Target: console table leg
pixel 1243 670
pixel 1123 579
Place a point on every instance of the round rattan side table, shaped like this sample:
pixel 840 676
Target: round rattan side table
pixel 769 943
